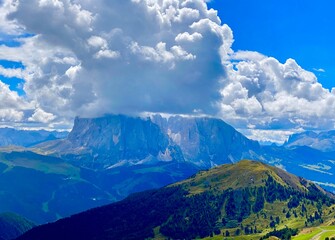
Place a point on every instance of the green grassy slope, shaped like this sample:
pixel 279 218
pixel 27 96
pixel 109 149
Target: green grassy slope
pixel 246 200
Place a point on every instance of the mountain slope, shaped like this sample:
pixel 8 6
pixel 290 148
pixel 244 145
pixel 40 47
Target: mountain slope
pixel 307 162
pixel 123 140
pixel 324 141
pixel 44 188
pixel 12 226
pixel 248 197
pixel 26 138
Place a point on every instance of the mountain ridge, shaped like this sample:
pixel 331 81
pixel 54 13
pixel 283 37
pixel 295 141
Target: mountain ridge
pixel 323 141
pixel 27 138
pixel 177 212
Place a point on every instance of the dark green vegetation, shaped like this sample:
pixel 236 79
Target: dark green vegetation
pixel 285 233
pixel 247 198
pixel 44 188
pixel 12 226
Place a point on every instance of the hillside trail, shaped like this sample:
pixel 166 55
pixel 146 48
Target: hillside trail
pixel 317 236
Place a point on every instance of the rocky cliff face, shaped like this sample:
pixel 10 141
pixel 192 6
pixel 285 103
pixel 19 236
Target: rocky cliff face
pixel 324 141
pixel 207 141
pixel 119 136
pixel 116 140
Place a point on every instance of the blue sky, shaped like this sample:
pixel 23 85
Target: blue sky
pixel 258 72
pixel 15 84
pixel 299 29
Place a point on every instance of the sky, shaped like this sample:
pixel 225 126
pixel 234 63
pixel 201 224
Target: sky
pixel 265 67
pixel 299 29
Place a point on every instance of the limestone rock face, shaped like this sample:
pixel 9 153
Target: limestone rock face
pixel 116 140
pixel 207 141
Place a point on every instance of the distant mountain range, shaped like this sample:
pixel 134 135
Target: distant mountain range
pixel 119 140
pixel 27 138
pixel 324 141
pixel 247 198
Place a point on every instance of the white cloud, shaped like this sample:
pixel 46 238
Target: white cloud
pixel 91 59
pixel 13 72
pixel 107 54
pixel 97 42
pixel 171 56
pixel 12 107
pixel 41 116
pixel 267 94
pixel 268 135
pixel 8 26
pixel 319 70
pixel 187 37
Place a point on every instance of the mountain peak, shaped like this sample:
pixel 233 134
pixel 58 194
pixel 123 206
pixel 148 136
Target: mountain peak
pixel 243 174
pixel 225 201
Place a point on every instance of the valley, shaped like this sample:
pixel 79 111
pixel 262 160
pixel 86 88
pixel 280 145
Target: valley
pixel 106 159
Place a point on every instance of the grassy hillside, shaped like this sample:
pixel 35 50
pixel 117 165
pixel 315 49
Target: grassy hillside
pixel 248 199
pixel 44 188
pixel 12 226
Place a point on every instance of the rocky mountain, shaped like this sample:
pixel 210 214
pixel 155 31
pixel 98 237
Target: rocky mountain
pixel 116 140
pixel 27 138
pixel 207 142
pixel 13 225
pixel 324 141
pixel 246 198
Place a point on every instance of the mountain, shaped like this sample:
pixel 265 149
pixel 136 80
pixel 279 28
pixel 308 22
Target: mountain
pixel 44 188
pixel 324 141
pixel 13 225
pixel 118 140
pixel 27 138
pixel 207 142
pixel 115 140
pixel 245 198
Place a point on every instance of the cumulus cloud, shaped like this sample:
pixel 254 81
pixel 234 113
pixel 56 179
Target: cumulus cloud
pixel 262 92
pixel 88 58
pixel 9 27
pixel 12 107
pixel 166 56
pixel 41 116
